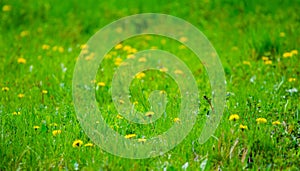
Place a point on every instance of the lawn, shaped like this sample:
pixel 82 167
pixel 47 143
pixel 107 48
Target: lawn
pixel 257 43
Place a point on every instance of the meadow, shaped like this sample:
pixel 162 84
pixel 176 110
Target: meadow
pixel 258 45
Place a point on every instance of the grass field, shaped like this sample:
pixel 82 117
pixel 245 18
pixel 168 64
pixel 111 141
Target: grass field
pixel 257 42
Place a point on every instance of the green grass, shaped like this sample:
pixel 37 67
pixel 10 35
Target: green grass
pixel 242 32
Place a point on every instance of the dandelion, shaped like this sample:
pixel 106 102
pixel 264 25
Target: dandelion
pixel 101 84
pixel 130 136
pixel 45 47
pixel 149 114
pixel 130 56
pixel 77 143
pixel 135 103
pixel 44 91
pixel 61 49
pixel 264 58
pixel 294 52
pixel 246 63
pixel 292 79
pixel 178 71
pixel 36 127
pixel 183 39
pixel 24 33
pixel 243 127
pixel 89 145
pixel 268 62
pixel 287 55
pixel 140 75
pixel 5 89
pixel 126 48
pixel 21 95
pixel 281 34
pixel 234 117
pixel 6 8
pixel 177 120
pixel 163 69
pixel 261 120
pixel 83 46
pixel 21 60
pixel 143 59
pixel 16 113
pixel 132 50
pixel 56 132
pixel 118 46
pixel 142 140
pixel 276 123
pixel 118 61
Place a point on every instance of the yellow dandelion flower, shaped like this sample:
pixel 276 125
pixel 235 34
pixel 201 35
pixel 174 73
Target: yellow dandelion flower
pixel 21 95
pixel 243 127
pixel 61 49
pixel 56 132
pixel 5 89
pixel 178 71
pixel 44 91
pixel 135 103
pixel 163 69
pixel 119 116
pixel 142 59
pixel 36 127
pixel 21 60
pixel 108 56
pixel 268 62
pixel 130 136
pixel 281 34
pixel 292 79
pixel 234 117
pixel 126 48
pixel 83 46
pixel 77 143
pixel 142 140
pixel 130 56
pixel 183 39
pixel 101 84
pixel 177 120
pixel 149 114
pixel 16 113
pixel 276 123
pixel 6 8
pixel 264 58
pixel 24 33
pixel 89 145
pixel 54 48
pixel 294 52
pixel 118 61
pixel 140 75
pixel 246 63
pixel 261 120
pixel 287 55
pixel 118 46
pixel 45 47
